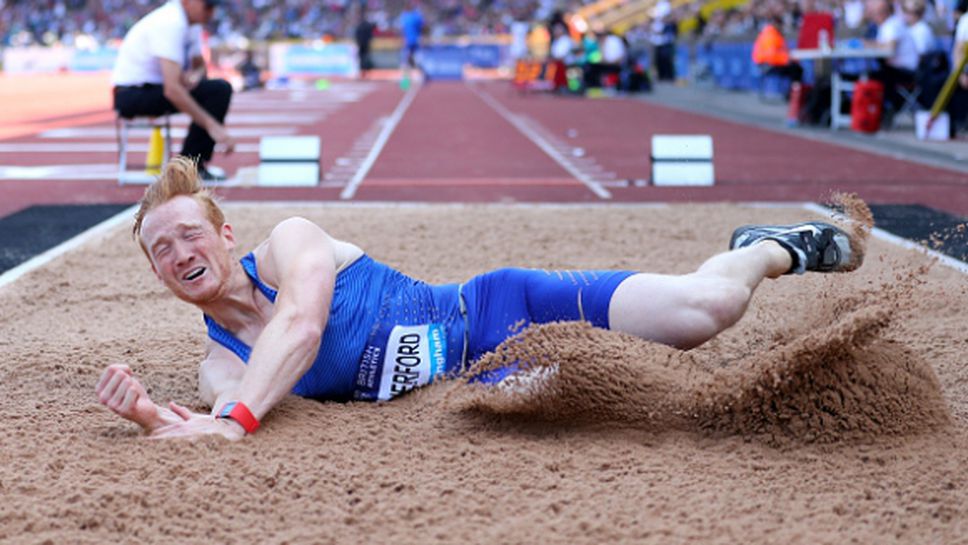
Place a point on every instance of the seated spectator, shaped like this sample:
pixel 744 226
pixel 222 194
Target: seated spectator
pixel 892 35
pixel 560 56
pixel 770 51
pixel 562 46
pixel 933 66
pixel 853 13
pixel 922 37
pixel 591 60
pixel 520 28
pixel 250 71
pixel 715 28
pixel 614 58
pixel 665 29
pixel 958 105
pixel 635 76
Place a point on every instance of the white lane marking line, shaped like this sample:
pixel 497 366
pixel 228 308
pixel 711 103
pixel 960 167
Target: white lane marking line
pixel 42 259
pixel 264 119
pixel 99 171
pixel 899 241
pixel 593 186
pixel 105 132
pixel 350 190
pixel 346 167
pixel 585 163
pixel 94 147
pixel 340 92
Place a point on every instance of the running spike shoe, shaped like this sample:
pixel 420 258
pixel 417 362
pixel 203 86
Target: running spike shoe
pixel 814 245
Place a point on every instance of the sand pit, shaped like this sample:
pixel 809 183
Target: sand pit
pixel 836 411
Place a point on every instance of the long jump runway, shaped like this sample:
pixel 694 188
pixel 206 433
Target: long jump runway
pixel 474 142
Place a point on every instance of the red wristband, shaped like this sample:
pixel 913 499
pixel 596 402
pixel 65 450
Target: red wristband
pixel 236 410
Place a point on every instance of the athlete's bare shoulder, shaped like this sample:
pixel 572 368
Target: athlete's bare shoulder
pixel 344 253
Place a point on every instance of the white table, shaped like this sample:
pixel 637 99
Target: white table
pixel 839 53
pixel 838 86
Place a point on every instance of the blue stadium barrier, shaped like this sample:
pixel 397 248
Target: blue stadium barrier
pixel 731 66
pixel 682 62
pixel 443 62
pixel 446 62
pixel 485 55
pixel 331 60
pixel 93 60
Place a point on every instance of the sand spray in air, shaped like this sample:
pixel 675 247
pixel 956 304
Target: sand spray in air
pixel 834 375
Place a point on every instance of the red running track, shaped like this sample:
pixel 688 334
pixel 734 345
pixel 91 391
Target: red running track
pixel 752 164
pixel 452 144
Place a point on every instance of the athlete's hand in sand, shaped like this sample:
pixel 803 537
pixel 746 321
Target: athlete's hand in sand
pixel 120 391
pixel 195 425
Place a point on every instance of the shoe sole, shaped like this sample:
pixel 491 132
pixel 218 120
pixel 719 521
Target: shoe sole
pixel 827 234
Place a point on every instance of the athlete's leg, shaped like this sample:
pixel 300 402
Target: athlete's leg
pixel 687 310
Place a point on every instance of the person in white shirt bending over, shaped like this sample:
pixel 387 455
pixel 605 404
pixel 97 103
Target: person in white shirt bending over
pixel 160 70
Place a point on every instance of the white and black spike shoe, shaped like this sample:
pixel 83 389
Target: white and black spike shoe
pixel 814 245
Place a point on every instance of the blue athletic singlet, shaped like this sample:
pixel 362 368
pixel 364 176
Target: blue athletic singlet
pixel 388 333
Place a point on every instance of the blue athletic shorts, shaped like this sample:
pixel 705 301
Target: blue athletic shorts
pixel 502 303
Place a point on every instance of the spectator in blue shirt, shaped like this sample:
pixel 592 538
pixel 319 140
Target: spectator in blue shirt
pixel 411 26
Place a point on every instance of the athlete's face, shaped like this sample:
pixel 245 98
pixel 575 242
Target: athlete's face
pixel 187 253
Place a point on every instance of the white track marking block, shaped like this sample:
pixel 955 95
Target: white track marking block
pixel 289 160
pixel 940 128
pixel 682 159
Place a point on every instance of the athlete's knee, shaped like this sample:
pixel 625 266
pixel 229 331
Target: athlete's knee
pixel 708 312
pixel 723 302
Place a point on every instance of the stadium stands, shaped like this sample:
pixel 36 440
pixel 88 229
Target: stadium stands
pixel 85 23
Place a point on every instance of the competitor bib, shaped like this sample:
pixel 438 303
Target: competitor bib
pixel 412 356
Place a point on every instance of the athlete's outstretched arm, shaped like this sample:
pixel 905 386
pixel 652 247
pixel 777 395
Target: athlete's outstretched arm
pixel 299 259
pixel 219 375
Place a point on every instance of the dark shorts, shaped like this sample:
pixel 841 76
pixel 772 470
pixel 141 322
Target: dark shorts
pixel 502 303
pixel 411 52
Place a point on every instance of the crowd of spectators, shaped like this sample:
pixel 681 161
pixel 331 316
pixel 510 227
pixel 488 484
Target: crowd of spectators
pixel 90 23
pixel 745 21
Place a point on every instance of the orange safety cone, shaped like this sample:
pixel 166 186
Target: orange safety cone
pixel 156 153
